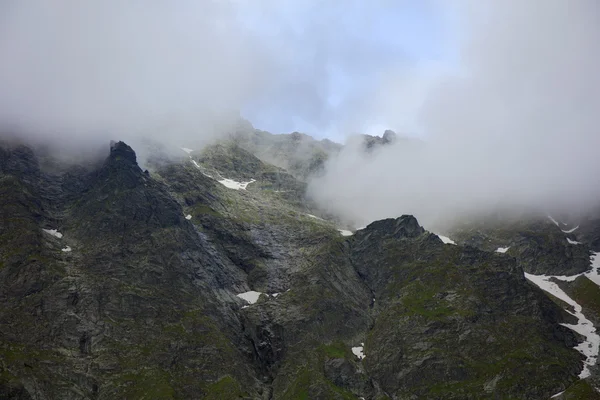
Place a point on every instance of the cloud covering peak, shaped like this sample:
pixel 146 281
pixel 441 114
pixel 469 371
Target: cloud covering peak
pixel 504 94
pixel 517 125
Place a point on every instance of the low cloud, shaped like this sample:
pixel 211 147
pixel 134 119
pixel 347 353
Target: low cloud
pixel 85 72
pixel 511 119
pixel 516 125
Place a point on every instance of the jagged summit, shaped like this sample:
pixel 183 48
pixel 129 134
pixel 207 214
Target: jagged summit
pixel 405 226
pixel 389 136
pixel 121 151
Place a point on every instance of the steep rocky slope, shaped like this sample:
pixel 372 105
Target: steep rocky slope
pixel 540 244
pixel 123 283
pixel 300 154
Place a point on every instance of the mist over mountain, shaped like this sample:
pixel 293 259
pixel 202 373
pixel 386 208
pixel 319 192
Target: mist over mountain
pixel 511 121
pixel 428 226
pixel 516 126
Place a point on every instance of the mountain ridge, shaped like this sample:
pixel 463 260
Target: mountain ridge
pixel 145 303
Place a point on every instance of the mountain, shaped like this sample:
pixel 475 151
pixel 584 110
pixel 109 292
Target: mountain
pixel 214 277
pixel 298 153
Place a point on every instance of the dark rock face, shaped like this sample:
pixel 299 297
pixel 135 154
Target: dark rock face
pixel 120 151
pixel 144 304
pixel 404 227
pixel 130 309
pixel 538 244
pixel 589 233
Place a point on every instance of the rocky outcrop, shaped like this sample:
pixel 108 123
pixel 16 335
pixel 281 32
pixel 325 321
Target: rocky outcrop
pixel 539 246
pixel 299 154
pixel 371 142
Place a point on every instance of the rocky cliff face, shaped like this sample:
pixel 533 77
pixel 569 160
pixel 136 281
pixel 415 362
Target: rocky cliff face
pixel 539 245
pixel 122 283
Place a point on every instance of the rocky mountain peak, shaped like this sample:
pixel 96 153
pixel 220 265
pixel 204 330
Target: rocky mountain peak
pixel 120 168
pixel 405 226
pixel 371 142
pixel 389 136
pixel 120 151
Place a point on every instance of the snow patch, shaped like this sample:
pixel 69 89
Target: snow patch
pixel 198 166
pixel 188 217
pixel 446 240
pixel 231 184
pixel 187 150
pixel 66 249
pixel 228 183
pixel 315 217
pixel 593 274
pixel 358 351
pixel 251 296
pixel 572 230
pixel 573 241
pixel 345 232
pixel 275 294
pixel 502 249
pixel 553 220
pixel 590 346
pixel 53 232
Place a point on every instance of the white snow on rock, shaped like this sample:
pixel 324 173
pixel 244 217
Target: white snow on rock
pixel 53 232
pixel 572 230
pixel 553 220
pixel 315 217
pixel 345 232
pixel 502 249
pixel 228 183
pixel 590 346
pixel 198 166
pixel 66 249
pixel 593 274
pixel 187 150
pixel 573 241
pixel 358 351
pixel 275 294
pixel 188 217
pixel 251 296
pixel 231 184
pixel 446 240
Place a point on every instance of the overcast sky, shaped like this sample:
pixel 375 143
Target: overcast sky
pixel 322 67
pixel 341 58
pixel 515 125
pixel 505 93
